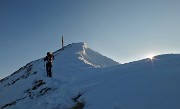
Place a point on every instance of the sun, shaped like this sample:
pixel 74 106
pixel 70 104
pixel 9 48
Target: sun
pixel 151 56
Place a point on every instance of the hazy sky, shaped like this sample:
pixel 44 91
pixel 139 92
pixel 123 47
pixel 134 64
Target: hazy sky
pixel 124 30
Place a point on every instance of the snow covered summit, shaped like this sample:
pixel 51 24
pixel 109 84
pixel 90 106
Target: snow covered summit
pixel 85 79
pixel 79 55
pixel 30 88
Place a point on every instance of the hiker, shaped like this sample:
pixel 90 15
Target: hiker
pixel 49 60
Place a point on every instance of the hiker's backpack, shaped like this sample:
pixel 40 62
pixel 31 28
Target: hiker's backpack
pixel 49 58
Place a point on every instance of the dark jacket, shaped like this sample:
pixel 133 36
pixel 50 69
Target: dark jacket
pixel 49 58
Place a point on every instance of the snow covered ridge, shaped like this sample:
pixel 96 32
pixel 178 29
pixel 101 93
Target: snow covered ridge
pixel 30 82
pixel 85 79
pixel 86 55
pixel 94 58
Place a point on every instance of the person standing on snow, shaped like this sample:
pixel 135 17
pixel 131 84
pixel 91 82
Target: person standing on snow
pixel 49 60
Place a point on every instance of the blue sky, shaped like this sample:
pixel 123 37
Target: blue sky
pixel 124 30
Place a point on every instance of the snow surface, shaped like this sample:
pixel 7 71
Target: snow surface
pixel 101 82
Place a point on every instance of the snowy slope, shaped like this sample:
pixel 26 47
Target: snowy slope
pixel 29 85
pixel 82 75
pixel 138 85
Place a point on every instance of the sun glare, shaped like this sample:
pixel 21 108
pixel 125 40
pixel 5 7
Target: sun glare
pixel 151 56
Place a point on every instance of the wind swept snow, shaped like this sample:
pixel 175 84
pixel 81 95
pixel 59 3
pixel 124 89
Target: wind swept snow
pixel 81 74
